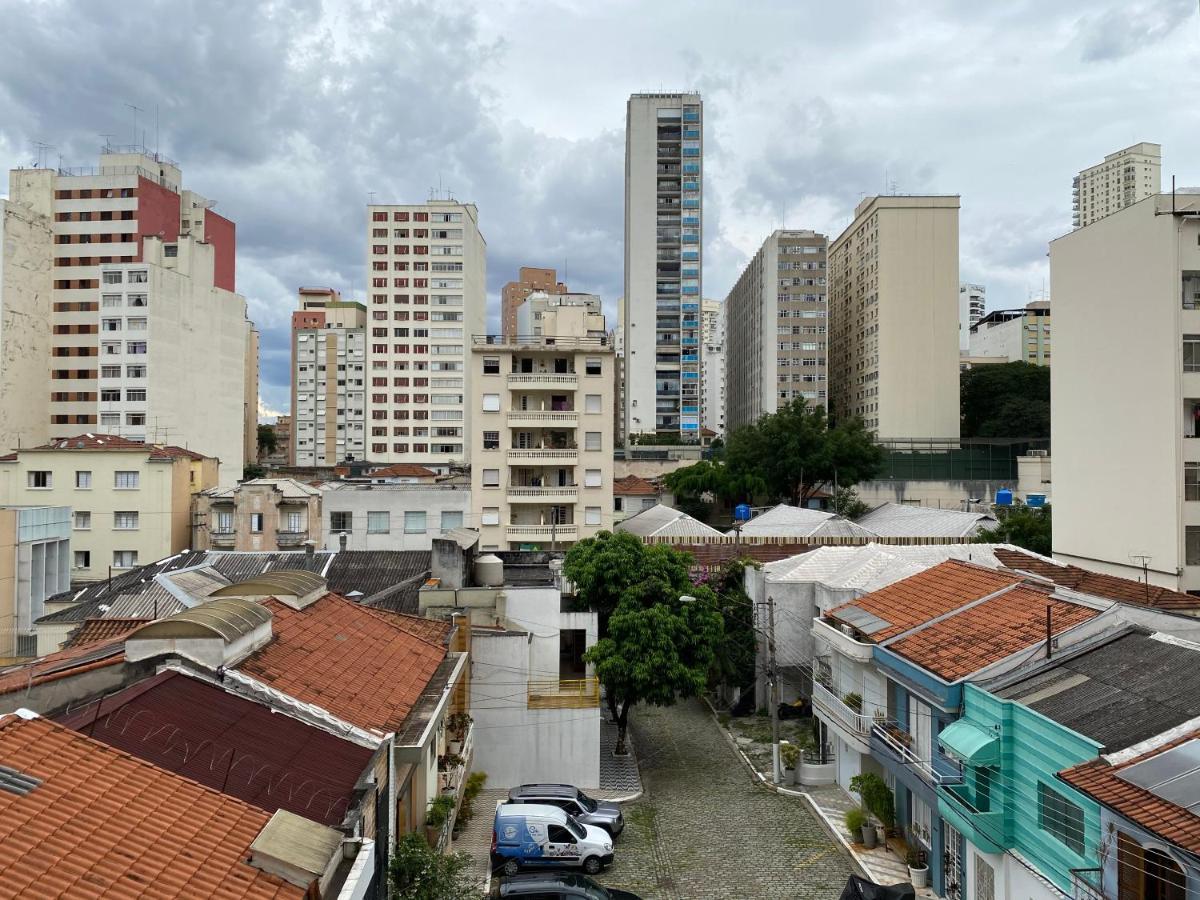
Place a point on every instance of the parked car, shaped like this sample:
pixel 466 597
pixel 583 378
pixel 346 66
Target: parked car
pixel 556 885
pixel 572 800
pixel 530 834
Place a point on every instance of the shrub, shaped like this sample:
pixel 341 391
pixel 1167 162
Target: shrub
pixel 876 797
pixel 854 701
pixel 855 820
pixel 439 811
pixel 418 872
pixel 790 754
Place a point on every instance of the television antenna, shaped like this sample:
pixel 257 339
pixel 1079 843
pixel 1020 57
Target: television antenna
pixel 136 110
pixel 42 149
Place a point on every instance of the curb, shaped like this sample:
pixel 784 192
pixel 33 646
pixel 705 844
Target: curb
pixel 761 780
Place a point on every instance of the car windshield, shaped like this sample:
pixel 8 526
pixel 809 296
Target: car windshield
pixel 588 803
pixel 575 828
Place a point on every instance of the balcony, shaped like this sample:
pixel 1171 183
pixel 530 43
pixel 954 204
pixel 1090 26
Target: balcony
pixel 841 642
pixel 856 726
pixel 526 494
pixel 542 533
pixel 290 538
pixel 550 381
pixel 576 693
pixel 1087 884
pixel 539 419
pixel 545 455
pixel 222 538
pixel 976 819
pixel 895 742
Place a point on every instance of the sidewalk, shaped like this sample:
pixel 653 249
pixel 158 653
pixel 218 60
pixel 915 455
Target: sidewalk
pixel 620 778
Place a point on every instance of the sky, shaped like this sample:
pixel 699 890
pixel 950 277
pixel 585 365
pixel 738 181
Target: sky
pixel 294 115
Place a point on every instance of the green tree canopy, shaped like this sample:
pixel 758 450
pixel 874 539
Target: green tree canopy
pixel 418 872
pixel 267 439
pixel 609 567
pixel 1028 527
pixel 1009 400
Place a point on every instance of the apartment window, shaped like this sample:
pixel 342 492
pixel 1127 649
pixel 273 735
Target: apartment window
pixel 124 559
pixel 985 879
pixel 491 402
pixel 1192 545
pixel 110 324
pixel 135 418
pixel 110 395
pixel 591 440
pixel 125 520
pixel 295 522
pixel 341 521
pixel 591 478
pixel 491 440
pixel 1191 481
pixel 135 394
pixel 125 481
pixel 83 520
pixel 591 515
pixel 137 277
pixel 137 348
pixel 591 403
pixel 414 521
pixel 83 480
pixel 1191 353
pixel 379 522
pixel 110 301
pixel 451 518
pixel 1060 817
pixel 112 277
pixel 134 372
pixel 591 365
pixel 491 478
pixel 491 516
pixel 40 480
pixel 224 523
pixel 491 365
pixel 83 559
pixel 110 371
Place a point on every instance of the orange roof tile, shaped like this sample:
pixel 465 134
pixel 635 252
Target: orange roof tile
pixel 433 630
pixel 988 632
pixel 1110 587
pixel 634 485
pixel 353 661
pixel 1100 780
pixel 95 441
pixel 62 664
pixel 936 591
pixel 93 630
pixel 404 470
pixel 104 824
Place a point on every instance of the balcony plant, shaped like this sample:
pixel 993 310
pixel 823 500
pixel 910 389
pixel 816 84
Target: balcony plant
pixel 436 817
pixel 877 799
pixel 918 871
pixel 790 754
pixel 854 701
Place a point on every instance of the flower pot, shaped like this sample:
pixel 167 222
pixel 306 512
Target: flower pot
pixel 919 876
pixel 456 748
pixel 792 776
pixel 868 836
pixel 431 835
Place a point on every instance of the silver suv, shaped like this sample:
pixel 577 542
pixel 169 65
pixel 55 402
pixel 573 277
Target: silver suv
pixel 574 802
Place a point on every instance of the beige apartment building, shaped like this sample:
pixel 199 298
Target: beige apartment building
pixel 776 320
pixel 427 264
pixel 893 317
pixel 1125 392
pixel 532 312
pixel 329 342
pixel 131 502
pixel 141 271
pixel 1014 335
pixel 35 564
pixel 542 453
pixel 513 294
pixel 261 515
pixel 712 380
pixel 1124 178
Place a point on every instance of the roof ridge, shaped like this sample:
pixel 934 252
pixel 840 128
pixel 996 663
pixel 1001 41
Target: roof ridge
pixel 382 617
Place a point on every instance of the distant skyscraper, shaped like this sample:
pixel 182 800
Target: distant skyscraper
pixel 663 249
pixel 1124 178
pixel 712 328
pixel 513 294
pixel 972 298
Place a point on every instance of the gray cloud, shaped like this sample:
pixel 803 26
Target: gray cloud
pixel 1119 31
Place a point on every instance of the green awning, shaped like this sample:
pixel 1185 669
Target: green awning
pixel 969 743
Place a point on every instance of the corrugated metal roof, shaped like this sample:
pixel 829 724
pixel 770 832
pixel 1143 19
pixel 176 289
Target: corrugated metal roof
pixel 799 522
pixel 898 520
pixel 663 521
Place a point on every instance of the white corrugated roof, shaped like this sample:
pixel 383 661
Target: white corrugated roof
pixel 663 521
pixel 898 520
pixel 799 522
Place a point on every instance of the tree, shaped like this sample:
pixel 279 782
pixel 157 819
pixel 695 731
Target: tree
pixel 267 440
pixel 1008 400
pixel 847 503
pixel 1025 526
pixel 418 872
pixel 735 659
pixel 609 567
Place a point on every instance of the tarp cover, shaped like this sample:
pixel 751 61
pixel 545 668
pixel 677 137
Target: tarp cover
pixel 862 889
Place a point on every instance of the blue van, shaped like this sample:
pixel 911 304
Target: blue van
pixel 537 836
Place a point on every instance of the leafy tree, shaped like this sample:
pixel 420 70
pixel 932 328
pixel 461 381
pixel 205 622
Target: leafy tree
pixel 418 872
pixel 1025 526
pixel 736 656
pixel 1008 400
pixel 847 503
pixel 609 567
pixel 267 439
pixel 252 471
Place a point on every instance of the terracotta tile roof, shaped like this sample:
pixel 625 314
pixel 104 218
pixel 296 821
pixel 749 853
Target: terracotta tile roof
pixel 927 595
pixel 346 658
pixel 403 470
pixel 634 485
pixel 104 824
pixel 94 441
pixel 93 630
pixel 989 632
pixel 1110 587
pixel 62 664
pixel 435 631
pixel 711 556
pixel 1172 823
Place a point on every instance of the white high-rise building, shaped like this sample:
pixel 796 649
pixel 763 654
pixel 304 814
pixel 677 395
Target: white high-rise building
pixel 664 141
pixel 1124 178
pixel 427 264
pixel 713 329
pixel 972 299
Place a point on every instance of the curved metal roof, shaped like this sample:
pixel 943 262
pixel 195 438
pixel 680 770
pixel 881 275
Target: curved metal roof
pixel 286 582
pixel 227 618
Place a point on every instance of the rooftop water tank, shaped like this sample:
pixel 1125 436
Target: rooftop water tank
pixel 489 571
pixel 741 513
pixel 1036 501
pixel 1004 497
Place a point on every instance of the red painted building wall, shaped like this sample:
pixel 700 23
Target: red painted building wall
pixel 157 213
pixel 222 234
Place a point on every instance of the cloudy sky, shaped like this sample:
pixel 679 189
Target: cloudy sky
pixel 292 114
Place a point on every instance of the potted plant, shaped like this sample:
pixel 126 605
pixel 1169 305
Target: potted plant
pixel 791 758
pixel 436 817
pixel 856 824
pixel 918 871
pixel 458 723
pixel 854 701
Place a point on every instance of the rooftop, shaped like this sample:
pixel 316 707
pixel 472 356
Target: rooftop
pixel 99 822
pixel 290 488
pixel 403 470
pixel 91 441
pixel 634 485
pixel 901 520
pixel 800 522
pixel 93 631
pixel 663 521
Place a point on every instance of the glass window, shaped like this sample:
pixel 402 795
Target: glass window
pixel 379 522
pixel 414 521
pixel 124 559
pixel 1192 545
pixel 591 478
pixel 451 518
pixel 491 440
pixel 592 365
pixel 125 480
pixel 83 520
pixel 224 523
pixel 591 403
pixel 1060 817
pixel 985 879
pixel 39 479
pixel 591 515
pixel 256 523
pixel 1191 481
pixel 491 478
pixel 591 440
pixel 83 480
pixel 491 515
pixel 341 521
pixel 125 520
pixel 295 522
pixel 83 559
pixel 491 365
pixel 491 402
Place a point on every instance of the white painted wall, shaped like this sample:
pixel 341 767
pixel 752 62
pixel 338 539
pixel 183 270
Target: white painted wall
pixel 395 499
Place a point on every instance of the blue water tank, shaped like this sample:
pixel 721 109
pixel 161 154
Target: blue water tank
pixel 741 513
pixel 1037 501
pixel 1004 497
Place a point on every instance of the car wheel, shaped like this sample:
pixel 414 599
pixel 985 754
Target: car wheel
pixel 591 865
pixel 511 867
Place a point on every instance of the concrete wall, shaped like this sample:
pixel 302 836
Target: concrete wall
pixel 444 508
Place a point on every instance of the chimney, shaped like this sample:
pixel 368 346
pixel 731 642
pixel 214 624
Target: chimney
pixel 309 547
pixel 342 538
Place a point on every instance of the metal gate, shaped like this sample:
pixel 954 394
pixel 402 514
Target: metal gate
pixel 952 862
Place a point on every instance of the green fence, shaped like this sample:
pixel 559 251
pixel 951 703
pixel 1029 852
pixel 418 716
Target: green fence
pixel 967 460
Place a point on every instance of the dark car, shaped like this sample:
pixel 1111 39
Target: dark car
pixel 574 802
pixel 566 885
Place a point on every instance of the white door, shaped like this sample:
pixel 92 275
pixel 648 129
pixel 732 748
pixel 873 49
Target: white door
pixel 919 726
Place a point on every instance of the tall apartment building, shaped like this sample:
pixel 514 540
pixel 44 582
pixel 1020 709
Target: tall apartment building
pixel 329 340
pixel 893 317
pixel 1125 392
pixel 972 300
pixel 664 152
pixel 1124 178
pixel 35 564
pixel 427 264
pixel 513 294
pixel 776 321
pixel 712 331
pixel 542 451
pixel 617 336
pixel 143 271
pixel 532 312
pixel 1018 335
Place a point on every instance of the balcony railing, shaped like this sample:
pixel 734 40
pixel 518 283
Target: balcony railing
pixel 539 455
pixel 1087 884
pixel 579 693
pixel 542 533
pixel 939 770
pixel 537 417
pixel 543 379
pixel 222 538
pixel 525 494
pixel 836 708
pixel 290 538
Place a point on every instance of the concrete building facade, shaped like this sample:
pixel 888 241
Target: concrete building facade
pixel 259 515
pixel 392 516
pixel 893 317
pixel 427 265
pixel 664 153
pixel 776 319
pixel 532 311
pixel 542 454
pixel 1016 335
pixel 513 294
pixel 1125 401
pixel 1124 178
pixel 972 301
pixel 329 340
pixel 35 563
pixel 713 373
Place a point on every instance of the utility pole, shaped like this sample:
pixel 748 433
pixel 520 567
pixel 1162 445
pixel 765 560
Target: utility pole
pixel 773 672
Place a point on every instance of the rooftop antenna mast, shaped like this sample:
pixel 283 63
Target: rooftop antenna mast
pixel 42 149
pixel 136 110
pixel 107 141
